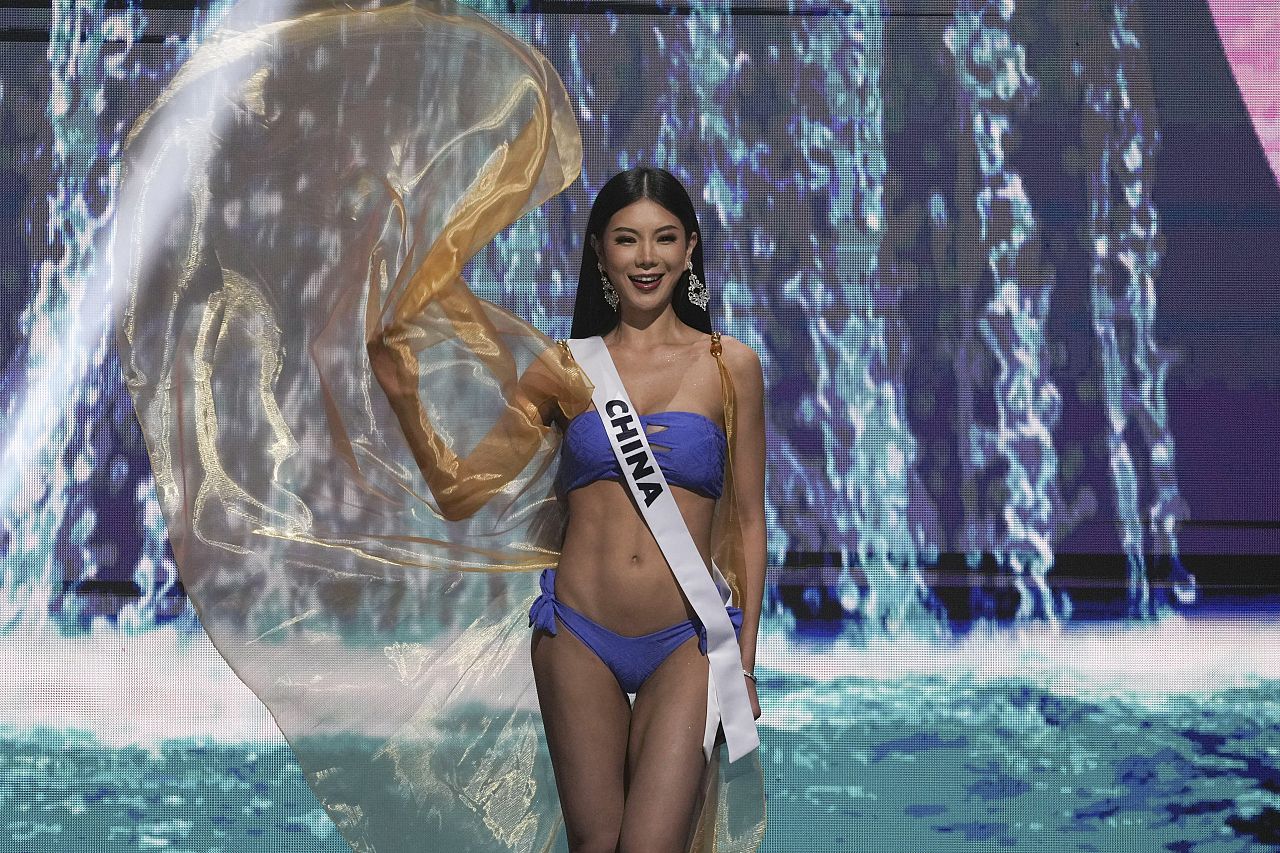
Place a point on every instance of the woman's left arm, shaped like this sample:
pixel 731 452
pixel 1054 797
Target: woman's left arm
pixel 748 479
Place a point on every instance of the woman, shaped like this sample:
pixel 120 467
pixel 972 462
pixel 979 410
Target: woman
pixel 284 235
pixel 629 775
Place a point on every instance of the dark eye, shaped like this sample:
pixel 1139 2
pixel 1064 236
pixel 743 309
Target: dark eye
pixel 667 238
pixel 623 240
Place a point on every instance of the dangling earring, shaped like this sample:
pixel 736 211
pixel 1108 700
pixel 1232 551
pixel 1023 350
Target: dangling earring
pixel 610 295
pixel 698 293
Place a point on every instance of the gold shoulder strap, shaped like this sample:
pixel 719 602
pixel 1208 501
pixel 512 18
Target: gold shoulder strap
pixel 727 396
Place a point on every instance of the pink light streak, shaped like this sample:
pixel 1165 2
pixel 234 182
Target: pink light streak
pixel 1250 32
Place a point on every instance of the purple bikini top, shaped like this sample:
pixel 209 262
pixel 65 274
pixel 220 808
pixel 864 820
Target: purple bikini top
pixel 691 450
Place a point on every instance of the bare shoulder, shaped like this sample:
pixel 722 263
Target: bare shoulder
pixel 743 363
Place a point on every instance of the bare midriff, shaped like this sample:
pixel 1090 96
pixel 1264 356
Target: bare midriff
pixel 611 569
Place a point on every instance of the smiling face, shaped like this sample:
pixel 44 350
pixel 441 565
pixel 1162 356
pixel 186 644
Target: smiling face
pixel 644 249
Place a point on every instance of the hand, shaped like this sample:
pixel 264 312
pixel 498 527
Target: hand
pixel 755 700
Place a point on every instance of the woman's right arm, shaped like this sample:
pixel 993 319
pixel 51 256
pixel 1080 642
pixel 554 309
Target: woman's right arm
pixel 462 485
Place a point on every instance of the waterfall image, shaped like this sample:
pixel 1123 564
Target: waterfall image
pixel 1008 266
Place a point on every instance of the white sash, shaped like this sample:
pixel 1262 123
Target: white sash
pixel 727 700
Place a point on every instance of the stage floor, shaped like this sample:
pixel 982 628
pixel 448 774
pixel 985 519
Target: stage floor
pixel 1105 739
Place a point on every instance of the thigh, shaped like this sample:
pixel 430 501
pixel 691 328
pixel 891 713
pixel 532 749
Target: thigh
pixel 586 717
pixel 665 765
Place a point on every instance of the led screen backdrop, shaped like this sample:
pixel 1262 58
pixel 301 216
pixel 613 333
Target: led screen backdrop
pixel 1011 270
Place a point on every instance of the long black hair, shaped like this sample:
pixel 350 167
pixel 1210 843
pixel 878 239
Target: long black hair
pixel 591 314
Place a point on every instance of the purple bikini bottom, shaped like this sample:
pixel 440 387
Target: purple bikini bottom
pixel 631 659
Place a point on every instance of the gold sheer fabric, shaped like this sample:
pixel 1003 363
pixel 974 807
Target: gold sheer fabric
pixel 305 193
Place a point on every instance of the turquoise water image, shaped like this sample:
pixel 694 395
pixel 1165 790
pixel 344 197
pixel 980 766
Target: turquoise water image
pixel 937 765
pixel 1103 739
pixel 65 791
